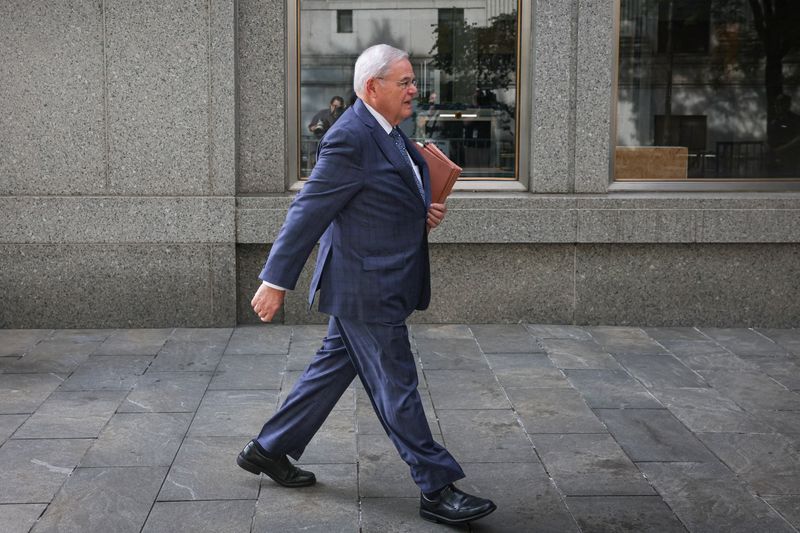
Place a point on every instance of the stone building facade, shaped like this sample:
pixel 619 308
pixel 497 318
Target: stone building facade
pixel 143 176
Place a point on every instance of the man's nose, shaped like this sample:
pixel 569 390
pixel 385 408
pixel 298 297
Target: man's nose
pixel 412 89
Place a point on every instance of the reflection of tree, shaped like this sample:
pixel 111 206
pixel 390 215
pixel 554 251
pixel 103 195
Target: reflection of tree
pixel 478 57
pixel 776 25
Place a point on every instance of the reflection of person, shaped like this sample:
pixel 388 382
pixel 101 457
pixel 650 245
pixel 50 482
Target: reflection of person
pixel 783 133
pixel 325 118
pixel 368 203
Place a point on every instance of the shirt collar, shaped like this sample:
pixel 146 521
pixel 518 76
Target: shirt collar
pixel 380 118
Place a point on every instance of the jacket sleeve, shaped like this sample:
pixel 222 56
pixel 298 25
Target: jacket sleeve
pixel 336 178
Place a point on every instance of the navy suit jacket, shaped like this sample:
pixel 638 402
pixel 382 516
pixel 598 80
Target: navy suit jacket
pixel 362 204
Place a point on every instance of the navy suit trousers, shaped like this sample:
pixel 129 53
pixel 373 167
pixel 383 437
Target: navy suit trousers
pixel 380 355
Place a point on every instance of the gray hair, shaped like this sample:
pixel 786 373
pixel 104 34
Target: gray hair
pixel 374 62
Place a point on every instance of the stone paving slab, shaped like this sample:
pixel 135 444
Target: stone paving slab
pixel 19 518
pixel 645 514
pixel 559 424
pixel 707 497
pixel 229 516
pixel 98 500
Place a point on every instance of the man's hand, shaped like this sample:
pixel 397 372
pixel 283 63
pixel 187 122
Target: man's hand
pixel 267 301
pixel 436 214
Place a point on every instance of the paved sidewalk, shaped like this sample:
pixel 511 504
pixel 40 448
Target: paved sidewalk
pixel 566 428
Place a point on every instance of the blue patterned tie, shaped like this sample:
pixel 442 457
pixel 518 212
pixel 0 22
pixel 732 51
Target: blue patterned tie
pixel 398 142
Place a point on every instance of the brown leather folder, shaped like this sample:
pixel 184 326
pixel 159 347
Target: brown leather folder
pixel 443 172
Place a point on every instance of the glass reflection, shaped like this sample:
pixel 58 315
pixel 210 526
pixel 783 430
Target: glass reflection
pixel 465 60
pixel 708 89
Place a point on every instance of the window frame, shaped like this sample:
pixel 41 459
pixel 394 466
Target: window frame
pixel 524 93
pixel 689 185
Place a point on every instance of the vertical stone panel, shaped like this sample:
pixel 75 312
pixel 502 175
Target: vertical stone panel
pixel 552 131
pixel 261 98
pixel 158 96
pixel 593 107
pixel 52 137
pixel 222 163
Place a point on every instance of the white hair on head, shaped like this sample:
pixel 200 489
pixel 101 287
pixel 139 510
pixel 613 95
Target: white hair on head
pixel 374 62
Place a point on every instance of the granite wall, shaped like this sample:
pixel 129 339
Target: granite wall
pixel 143 176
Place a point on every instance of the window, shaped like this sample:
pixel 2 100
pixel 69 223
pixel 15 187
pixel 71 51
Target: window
pixel 344 21
pixel 465 59
pixel 705 93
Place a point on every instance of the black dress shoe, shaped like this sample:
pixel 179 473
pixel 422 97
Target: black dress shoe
pixel 281 471
pixel 454 507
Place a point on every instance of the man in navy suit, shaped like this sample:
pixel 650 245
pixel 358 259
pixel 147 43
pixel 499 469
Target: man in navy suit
pixel 367 202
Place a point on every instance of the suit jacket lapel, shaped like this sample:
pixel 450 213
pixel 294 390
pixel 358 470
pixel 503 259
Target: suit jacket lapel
pixel 390 151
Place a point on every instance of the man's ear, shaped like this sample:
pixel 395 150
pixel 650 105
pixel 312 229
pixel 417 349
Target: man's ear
pixel 369 87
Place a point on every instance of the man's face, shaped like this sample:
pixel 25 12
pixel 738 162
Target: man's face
pixel 336 105
pixel 395 92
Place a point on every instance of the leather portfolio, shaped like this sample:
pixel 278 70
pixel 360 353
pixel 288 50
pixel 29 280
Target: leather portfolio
pixel 442 171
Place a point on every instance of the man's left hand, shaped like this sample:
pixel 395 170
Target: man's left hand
pixel 436 214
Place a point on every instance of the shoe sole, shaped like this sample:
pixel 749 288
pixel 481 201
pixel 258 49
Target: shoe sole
pixel 254 469
pixel 433 517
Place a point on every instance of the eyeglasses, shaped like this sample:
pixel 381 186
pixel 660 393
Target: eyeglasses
pixel 404 83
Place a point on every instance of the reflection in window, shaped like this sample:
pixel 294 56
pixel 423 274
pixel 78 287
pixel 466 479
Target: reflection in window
pixel 708 89
pixel 465 60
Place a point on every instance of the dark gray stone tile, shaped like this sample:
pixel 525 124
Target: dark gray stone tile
pixel 249 372
pixel 107 373
pixel 706 410
pixel 505 338
pixel 24 393
pixel 19 518
pixel 785 422
pixel 450 354
pixel 544 331
pixel 37 468
pixel 381 471
pixel 134 342
pixel 465 389
pixel 653 435
pixel 253 340
pixel 623 514
pixel 526 499
pixel 611 389
pixel 707 497
pixel 554 411
pixel 368 423
pixel 232 516
pixel 785 372
pixel 335 442
pixel 788 338
pixel 787 506
pixel 395 515
pixel 192 350
pixel 707 355
pixel 229 413
pixel 139 439
pixel 330 505
pixel 662 371
pixel 81 335
pixel 302 352
pixel 570 353
pixel 309 332
pixel 440 331
pixel 590 465
pixel 663 335
pixel 205 469
pixel 628 340
pixel 19 341
pixel 71 415
pixel 752 390
pixel 770 463
pixel 486 437
pixel 103 499
pixel 59 356
pixel 166 392
pixel 9 424
pixel 741 341
pixel 527 370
